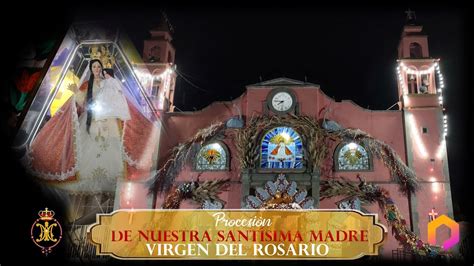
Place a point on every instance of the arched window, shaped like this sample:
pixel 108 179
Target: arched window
pixel 154 55
pixel 281 148
pixel 212 157
pixel 425 83
pixel 415 50
pixel 352 157
pixel 412 83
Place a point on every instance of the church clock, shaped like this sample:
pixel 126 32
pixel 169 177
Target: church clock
pixel 281 101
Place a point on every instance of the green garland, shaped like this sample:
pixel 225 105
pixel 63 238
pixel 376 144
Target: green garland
pixel 370 193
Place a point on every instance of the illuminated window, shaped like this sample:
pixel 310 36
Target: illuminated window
pixel 281 149
pixel 213 156
pixel 352 157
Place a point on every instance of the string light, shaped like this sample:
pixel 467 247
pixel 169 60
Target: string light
pixel 400 78
pixel 417 72
pixel 165 76
pixel 402 70
pixel 441 83
pixel 445 125
pixel 166 84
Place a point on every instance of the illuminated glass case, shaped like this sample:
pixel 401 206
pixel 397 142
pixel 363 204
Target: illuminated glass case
pixel 145 88
pixel 70 67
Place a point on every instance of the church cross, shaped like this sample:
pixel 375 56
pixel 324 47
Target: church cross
pixel 433 214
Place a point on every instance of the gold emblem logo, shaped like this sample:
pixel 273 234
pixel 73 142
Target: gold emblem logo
pixel 46 232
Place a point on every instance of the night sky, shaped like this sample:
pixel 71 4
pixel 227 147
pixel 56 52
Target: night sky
pixel 350 52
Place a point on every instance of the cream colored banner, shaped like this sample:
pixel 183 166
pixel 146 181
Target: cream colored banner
pixel 237 234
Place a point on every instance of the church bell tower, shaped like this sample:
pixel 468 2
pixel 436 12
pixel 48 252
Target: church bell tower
pixel 159 57
pixel 420 88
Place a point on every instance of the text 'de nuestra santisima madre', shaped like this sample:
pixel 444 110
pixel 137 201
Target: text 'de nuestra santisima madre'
pixel 237 234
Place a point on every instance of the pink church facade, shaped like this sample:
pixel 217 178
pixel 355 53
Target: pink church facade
pixel 416 132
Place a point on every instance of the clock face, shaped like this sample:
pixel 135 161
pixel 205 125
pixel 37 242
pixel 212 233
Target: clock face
pixel 282 101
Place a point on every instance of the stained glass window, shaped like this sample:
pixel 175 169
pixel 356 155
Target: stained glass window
pixel 282 149
pixel 212 156
pixel 352 157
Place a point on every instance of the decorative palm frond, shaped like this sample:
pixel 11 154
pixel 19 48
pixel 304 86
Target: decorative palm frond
pixel 371 193
pixel 315 137
pixel 196 191
pixel 248 139
pixel 399 171
pixel 166 175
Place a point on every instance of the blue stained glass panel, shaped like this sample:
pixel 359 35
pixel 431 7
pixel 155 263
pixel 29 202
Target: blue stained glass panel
pixel 281 149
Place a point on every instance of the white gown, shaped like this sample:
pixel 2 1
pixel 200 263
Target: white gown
pixel 110 102
pixel 100 155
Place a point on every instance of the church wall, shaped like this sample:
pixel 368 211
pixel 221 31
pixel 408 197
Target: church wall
pixel 426 146
pixel 178 127
pixel 384 125
pixel 431 195
pixel 429 161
